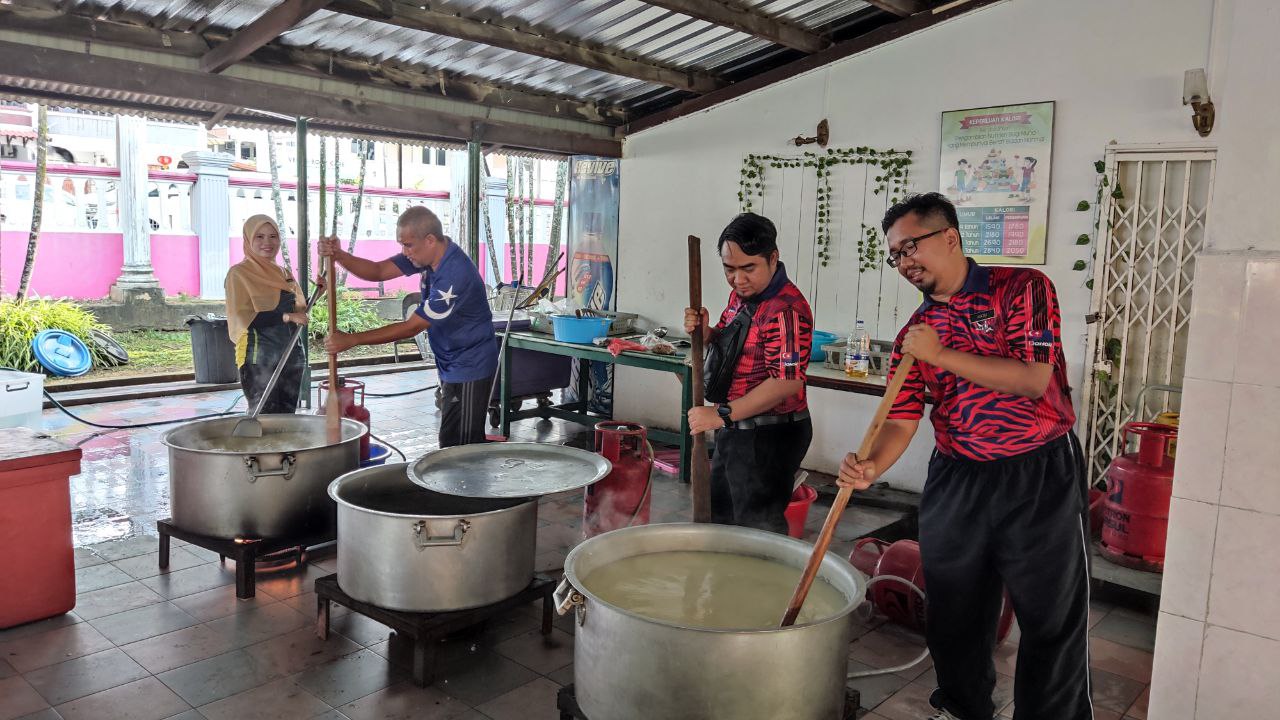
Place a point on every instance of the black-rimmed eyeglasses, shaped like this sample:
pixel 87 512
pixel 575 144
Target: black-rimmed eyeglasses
pixel 908 248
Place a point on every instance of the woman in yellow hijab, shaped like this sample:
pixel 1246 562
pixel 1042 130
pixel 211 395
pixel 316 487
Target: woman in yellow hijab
pixel 263 301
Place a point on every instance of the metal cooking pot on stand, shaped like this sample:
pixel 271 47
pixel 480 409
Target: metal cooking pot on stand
pixel 453 530
pixel 270 493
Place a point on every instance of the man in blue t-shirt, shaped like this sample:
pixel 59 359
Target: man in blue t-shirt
pixel 454 311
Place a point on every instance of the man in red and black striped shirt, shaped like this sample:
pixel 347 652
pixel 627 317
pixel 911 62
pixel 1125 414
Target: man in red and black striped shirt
pixel 1005 500
pixel 762 425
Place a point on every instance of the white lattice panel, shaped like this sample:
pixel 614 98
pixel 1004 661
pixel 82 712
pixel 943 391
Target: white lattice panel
pixel 1142 275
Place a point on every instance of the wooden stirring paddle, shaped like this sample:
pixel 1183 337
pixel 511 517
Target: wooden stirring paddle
pixel 699 470
pixel 842 498
pixel 332 406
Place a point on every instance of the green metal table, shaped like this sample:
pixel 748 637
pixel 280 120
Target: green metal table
pixel 577 411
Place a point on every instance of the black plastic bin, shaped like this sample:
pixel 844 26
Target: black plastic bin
pixel 212 351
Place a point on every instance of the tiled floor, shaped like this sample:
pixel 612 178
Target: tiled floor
pixel 147 645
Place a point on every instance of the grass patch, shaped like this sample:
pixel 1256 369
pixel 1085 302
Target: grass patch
pixel 157 350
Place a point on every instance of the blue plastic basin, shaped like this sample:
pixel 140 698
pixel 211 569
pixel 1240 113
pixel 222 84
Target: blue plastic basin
pixel 821 338
pixel 377 455
pixel 568 328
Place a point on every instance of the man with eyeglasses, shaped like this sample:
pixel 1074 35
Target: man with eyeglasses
pixel 1005 499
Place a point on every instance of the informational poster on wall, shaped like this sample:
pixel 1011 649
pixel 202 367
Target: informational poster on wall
pixel 593 254
pixel 995 168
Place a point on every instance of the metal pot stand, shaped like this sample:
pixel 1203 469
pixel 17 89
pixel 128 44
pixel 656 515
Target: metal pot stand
pixel 515 470
pixel 426 630
pixel 246 552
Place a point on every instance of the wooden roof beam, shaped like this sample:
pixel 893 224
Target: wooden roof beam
pixel 39 16
pixel 527 41
pixel 747 21
pixel 269 26
pixel 901 8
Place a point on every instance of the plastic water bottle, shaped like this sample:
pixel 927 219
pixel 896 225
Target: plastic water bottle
pixel 857 353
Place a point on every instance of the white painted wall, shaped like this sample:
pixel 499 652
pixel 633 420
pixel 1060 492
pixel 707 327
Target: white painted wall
pixel 1114 68
pixel 1245 87
pixel 1218 636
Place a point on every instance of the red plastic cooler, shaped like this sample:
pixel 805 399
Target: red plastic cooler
pixel 36 558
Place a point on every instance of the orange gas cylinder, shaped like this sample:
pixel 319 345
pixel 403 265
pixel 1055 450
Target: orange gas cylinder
pixel 352 407
pixel 1135 515
pixel 622 498
pixel 876 558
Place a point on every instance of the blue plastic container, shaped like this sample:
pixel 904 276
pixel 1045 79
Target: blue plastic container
pixel 61 353
pixel 377 455
pixel 821 338
pixel 582 330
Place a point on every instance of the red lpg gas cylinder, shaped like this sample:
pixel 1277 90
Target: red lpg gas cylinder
pixel 352 407
pixel 899 603
pixel 622 498
pixel 1135 515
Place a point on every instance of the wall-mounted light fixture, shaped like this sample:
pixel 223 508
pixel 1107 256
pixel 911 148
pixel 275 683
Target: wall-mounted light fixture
pixel 824 134
pixel 1195 92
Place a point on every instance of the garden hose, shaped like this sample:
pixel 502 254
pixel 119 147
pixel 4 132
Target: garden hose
pixel 206 416
pixel 400 394
pixel 390 447
pixel 152 423
pixel 904 666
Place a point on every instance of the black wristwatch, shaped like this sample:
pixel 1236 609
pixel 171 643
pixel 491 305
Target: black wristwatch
pixel 723 410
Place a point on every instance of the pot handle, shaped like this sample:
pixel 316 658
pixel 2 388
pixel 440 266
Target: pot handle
pixel 422 539
pixel 285 470
pixel 567 598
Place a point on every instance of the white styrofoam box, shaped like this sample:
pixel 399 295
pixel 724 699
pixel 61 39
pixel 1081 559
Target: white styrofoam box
pixel 21 399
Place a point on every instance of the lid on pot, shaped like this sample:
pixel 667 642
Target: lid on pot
pixel 507 470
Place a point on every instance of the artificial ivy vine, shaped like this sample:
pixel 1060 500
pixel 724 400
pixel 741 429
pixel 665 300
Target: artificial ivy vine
pixel 894 168
pixel 1116 193
pixel 1111 347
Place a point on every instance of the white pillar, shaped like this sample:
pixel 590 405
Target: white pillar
pixel 210 216
pixel 136 275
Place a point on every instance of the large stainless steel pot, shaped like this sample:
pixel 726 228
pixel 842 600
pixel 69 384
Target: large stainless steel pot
pixel 403 547
pixel 629 667
pixel 278 493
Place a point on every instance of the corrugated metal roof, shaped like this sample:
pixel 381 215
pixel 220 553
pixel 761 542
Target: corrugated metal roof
pixel 114 102
pixel 630 28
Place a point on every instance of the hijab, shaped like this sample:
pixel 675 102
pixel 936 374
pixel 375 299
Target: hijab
pixel 253 285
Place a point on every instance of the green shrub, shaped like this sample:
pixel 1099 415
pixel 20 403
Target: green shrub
pixel 354 314
pixel 20 321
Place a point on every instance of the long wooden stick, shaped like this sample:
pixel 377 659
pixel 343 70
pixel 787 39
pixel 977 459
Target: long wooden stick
pixel 842 498
pixel 699 471
pixel 332 407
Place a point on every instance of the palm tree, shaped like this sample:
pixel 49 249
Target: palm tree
pixel 42 158
pixel 274 161
pixel 355 218
pixel 557 215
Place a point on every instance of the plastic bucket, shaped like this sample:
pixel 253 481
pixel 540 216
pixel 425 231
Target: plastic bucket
pixel 583 330
pixel 798 510
pixel 377 455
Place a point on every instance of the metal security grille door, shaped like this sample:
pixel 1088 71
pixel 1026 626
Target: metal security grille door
pixel 1151 230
